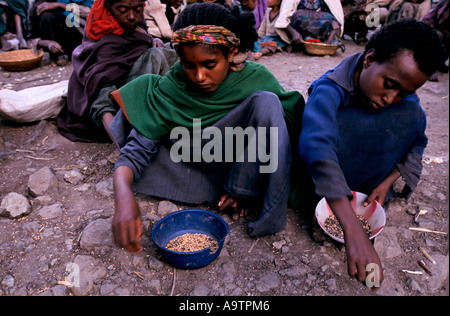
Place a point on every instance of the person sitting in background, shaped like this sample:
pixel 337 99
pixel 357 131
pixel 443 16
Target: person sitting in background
pixel 13 23
pixel 355 14
pixel 245 5
pixel 408 9
pixel 159 16
pixel 259 12
pixel 269 41
pixel 249 5
pixel 438 19
pixel 58 26
pixel 114 50
pixel 317 19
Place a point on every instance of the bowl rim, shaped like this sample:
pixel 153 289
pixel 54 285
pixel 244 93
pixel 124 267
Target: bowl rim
pixel 355 194
pixel 192 210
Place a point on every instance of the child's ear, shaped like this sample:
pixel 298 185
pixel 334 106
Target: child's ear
pixel 369 58
pixel 232 53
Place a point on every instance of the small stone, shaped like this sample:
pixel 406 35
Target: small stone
pixel 97 234
pixel 294 272
pixel 279 244
pixel 200 290
pixel 51 211
pixel 82 187
pixel 15 205
pixel 8 280
pixel 105 187
pixel 73 177
pixel 88 271
pixel 331 285
pixel 41 200
pixel 267 281
pixel 41 181
pixel 166 208
pixel 386 244
pixel 155 285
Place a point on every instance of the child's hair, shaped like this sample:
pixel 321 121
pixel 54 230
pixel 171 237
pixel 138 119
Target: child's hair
pixel 409 34
pixel 205 13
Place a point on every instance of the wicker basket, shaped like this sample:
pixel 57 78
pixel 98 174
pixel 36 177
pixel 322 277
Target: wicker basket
pixel 320 49
pixel 20 60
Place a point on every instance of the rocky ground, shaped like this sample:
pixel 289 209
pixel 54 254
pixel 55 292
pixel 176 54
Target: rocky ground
pixel 56 238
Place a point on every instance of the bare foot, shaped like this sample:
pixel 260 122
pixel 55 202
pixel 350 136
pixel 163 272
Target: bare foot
pixel 6 46
pixel 234 204
pixel 23 44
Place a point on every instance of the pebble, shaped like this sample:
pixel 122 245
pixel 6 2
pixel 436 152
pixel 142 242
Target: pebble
pixel 90 270
pixel 51 211
pixel 41 181
pixel 105 187
pixel 386 244
pixel 97 235
pixel 279 244
pixel 155 286
pixel 200 290
pixel 41 200
pixel 8 280
pixel 267 280
pixel 166 207
pixel 15 205
pixel 294 272
pixel 73 177
pixel 154 263
pixel 331 285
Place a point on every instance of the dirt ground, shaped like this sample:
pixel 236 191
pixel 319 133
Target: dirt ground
pixel 35 250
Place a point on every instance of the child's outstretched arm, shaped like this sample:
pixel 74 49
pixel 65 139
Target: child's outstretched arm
pixel 133 159
pixel 127 222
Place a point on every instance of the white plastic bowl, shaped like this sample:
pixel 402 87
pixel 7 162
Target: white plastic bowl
pixel 374 214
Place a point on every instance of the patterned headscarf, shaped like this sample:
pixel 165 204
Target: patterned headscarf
pixel 207 34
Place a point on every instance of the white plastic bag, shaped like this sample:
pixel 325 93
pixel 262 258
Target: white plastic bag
pixel 33 104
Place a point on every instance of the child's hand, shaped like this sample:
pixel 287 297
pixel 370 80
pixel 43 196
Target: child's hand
pixel 378 194
pixel 360 253
pixel 127 228
pixel 127 222
pixel 228 202
pixel 381 191
pixel 359 249
pixel 157 42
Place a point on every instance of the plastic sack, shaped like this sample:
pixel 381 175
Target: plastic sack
pixel 33 104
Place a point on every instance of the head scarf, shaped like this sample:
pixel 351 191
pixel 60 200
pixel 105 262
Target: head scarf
pixel 206 34
pixel 211 34
pixel 101 22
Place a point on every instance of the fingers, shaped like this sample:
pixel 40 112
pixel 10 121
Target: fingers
pixel 128 234
pixel 227 201
pixel 372 197
pixel 357 270
pixel 54 47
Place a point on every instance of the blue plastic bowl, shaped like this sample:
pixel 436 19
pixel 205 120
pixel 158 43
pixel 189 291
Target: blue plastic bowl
pixel 189 221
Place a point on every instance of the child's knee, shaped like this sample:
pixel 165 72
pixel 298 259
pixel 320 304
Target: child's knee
pixel 266 105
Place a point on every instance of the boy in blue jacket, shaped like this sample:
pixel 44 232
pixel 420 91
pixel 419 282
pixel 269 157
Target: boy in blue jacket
pixel 363 127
